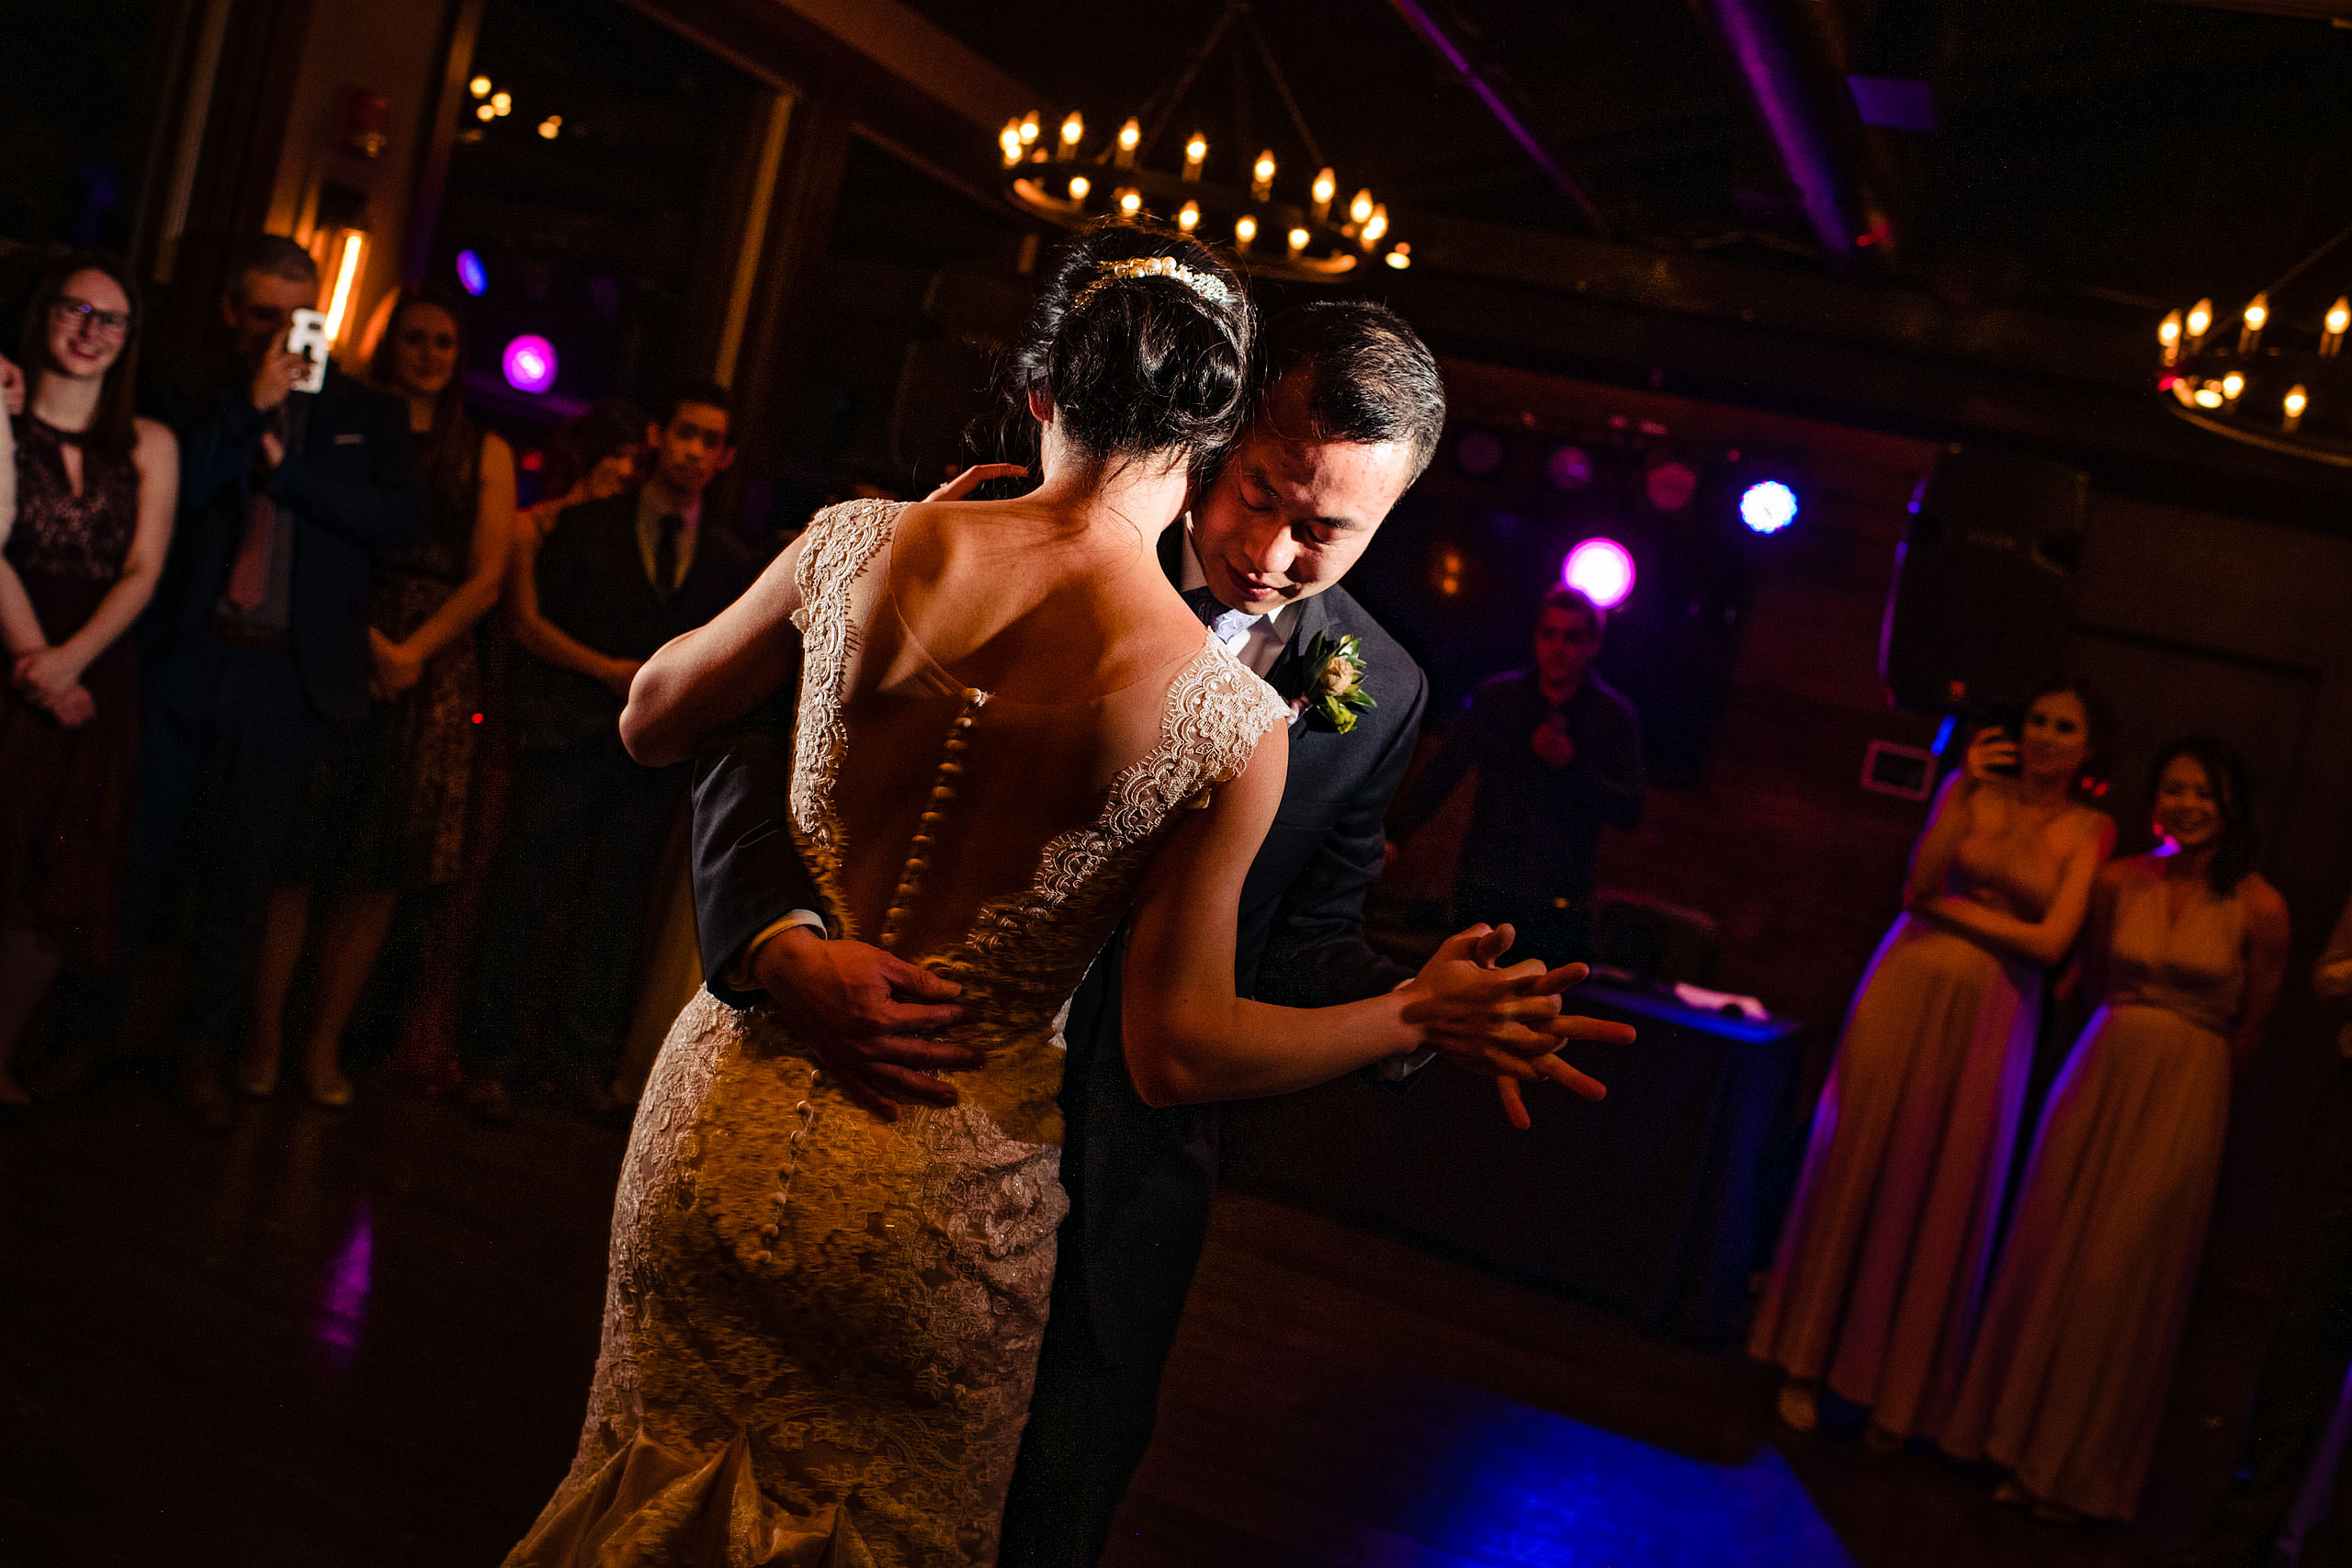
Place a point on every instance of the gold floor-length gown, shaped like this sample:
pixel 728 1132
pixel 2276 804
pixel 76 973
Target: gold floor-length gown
pixel 2071 1370
pixel 1883 1259
pixel 821 1329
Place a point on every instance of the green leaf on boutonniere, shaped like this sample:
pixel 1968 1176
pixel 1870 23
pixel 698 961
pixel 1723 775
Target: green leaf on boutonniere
pixel 1331 677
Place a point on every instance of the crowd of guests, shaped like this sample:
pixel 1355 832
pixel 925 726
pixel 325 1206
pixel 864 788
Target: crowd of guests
pixel 255 697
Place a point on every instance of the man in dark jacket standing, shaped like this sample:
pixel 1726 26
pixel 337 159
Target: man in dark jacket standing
pixel 255 646
pixel 1351 412
pixel 614 579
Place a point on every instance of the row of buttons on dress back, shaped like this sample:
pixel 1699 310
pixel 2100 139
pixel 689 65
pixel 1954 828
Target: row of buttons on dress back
pixel 943 790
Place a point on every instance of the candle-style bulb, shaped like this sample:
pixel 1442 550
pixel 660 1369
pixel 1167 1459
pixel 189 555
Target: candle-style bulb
pixel 1197 152
pixel 2200 318
pixel 1130 138
pixel 1401 257
pixel 2258 310
pixel 2339 315
pixel 1361 207
pixel 1029 128
pixel 1189 217
pixel 2232 385
pixel 1299 238
pixel 1245 230
pixel 1376 226
pixel 1079 187
pixel 2296 401
pixel 1130 203
pixel 1009 142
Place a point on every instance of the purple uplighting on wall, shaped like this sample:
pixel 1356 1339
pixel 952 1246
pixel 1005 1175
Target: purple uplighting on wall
pixel 343 1303
pixel 529 363
pixel 1601 569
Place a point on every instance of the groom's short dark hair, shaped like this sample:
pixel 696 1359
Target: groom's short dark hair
pixel 1369 376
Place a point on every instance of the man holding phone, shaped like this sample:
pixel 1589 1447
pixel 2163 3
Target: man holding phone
pixel 255 645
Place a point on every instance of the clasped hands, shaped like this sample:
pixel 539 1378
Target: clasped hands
pixel 51 680
pixel 866 1015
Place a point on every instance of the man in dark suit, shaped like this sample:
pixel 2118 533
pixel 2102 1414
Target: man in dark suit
pixel 255 645
pixel 614 579
pixel 1351 409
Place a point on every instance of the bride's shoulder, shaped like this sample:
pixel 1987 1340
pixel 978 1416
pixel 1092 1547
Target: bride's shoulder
pixel 1225 708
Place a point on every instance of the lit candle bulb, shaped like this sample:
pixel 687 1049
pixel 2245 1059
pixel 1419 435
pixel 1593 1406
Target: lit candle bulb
pixel 1245 230
pixel 1130 138
pixel 1029 128
pixel 2232 385
pixel 1189 218
pixel 1324 188
pixel 2168 334
pixel 2200 320
pixel 1361 207
pixel 479 86
pixel 1401 257
pixel 1197 152
pixel 2296 401
pixel 1297 241
pixel 1079 187
pixel 1130 203
pixel 2258 310
pixel 1009 140
pixel 1261 176
pixel 1376 226
pixel 2339 315
pixel 2209 396
pixel 1073 131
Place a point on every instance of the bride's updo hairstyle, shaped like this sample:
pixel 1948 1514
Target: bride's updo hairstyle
pixel 1141 340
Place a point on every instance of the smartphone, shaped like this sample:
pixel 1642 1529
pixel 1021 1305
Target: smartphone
pixel 2011 723
pixel 306 334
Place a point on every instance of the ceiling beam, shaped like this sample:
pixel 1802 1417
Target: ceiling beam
pixel 1504 105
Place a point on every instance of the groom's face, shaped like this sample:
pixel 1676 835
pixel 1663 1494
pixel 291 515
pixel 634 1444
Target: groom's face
pixel 1285 518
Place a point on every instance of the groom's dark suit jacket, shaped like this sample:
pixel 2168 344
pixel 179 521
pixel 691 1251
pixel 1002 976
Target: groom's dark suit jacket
pixel 1139 1179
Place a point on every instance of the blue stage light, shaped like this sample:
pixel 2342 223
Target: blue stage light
pixel 1768 506
pixel 472 277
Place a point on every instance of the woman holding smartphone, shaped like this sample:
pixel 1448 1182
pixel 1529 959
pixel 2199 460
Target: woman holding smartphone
pixel 1886 1246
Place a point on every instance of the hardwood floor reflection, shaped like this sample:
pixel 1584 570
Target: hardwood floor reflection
pixel 364 1339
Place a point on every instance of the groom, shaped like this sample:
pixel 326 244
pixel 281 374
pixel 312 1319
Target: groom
pixel 1350 412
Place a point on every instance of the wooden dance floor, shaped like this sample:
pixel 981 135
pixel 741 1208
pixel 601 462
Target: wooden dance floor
pixel 364 1339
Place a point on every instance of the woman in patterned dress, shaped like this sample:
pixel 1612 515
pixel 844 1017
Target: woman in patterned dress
pixel 80 552
pixel 388 811
pixel 821 1328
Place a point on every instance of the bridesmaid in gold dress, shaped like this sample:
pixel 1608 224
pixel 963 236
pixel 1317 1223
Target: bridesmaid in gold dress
pixel 2186 951
pixel 1884 1258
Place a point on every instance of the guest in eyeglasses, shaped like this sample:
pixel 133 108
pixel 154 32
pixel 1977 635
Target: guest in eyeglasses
pixel 612 582
pixel 258 643
pixel 86 514
pixel 388 814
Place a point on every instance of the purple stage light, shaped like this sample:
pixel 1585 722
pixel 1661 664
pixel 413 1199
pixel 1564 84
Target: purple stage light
pixel 472 277
pixel 1601 569
pixel 1768 507
pixel 529 363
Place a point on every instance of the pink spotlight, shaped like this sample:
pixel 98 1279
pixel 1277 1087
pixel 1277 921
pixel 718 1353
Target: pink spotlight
pixel 1602 570
pixel 529 363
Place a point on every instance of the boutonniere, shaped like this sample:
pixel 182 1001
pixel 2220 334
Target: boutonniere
pixel 1331 679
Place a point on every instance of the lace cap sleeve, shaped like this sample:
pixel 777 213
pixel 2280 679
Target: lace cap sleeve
pixel 839 543
pixel 1227 714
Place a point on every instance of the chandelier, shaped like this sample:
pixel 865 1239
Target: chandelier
pixel 1052 174
pixel 2276 382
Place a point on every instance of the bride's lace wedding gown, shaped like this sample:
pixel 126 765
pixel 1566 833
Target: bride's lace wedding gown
pixel 821 1329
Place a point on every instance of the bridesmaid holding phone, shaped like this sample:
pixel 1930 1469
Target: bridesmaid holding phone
pixel 1884 1258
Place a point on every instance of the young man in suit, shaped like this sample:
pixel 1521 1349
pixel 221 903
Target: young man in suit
pixel 254 647
pixel 1350 410
pixel 614 579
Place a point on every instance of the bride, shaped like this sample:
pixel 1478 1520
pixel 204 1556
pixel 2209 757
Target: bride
pixel 821 1328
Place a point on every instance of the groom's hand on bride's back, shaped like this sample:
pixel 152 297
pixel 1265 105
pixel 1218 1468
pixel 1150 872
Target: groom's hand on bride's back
pixel 1504 1023
pixel 864 1015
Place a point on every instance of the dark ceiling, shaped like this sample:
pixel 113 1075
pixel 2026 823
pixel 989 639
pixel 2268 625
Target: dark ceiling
pixel 2102 157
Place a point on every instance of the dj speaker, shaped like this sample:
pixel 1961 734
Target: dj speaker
pixel 1982 581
